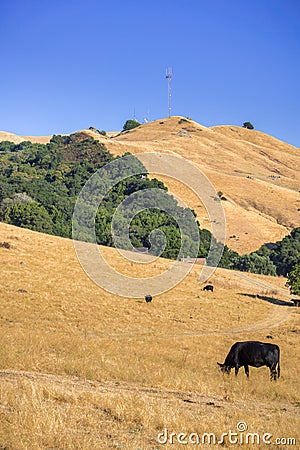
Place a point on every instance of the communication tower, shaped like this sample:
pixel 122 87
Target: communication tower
pixel 169 77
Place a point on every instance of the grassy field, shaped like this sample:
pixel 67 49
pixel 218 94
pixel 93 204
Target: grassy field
pixel 81 368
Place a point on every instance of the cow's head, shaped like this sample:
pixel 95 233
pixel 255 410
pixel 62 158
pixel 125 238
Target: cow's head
pixel 224 368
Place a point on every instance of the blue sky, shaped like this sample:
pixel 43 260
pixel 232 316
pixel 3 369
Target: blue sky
pixel 70 64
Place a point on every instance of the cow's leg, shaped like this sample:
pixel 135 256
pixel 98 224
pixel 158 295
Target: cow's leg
pixel 246 367
pixel 236 369
pixel 273 372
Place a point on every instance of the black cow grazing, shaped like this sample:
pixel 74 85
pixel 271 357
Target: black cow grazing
pixel 148 298
pixel 255 354
pixel 209 287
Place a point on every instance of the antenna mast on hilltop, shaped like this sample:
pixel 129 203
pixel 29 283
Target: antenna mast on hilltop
pixel 169 77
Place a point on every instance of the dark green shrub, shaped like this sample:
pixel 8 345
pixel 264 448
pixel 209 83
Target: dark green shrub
pixel 294 280
pixel 182 120
pixel 130 124
pixel 285 254
pixel 248 125
pixel 256 264
pixel 221 196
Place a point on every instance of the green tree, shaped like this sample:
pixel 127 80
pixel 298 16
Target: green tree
pixel 248 125
pixel 6 146
pixel 30 215
pixel 285 254
pixel 256 264
pixel 294 280
pixel 130 124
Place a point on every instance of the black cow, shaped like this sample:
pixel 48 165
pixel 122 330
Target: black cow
pixel 148 298
pixel 255 354
pixel 209 287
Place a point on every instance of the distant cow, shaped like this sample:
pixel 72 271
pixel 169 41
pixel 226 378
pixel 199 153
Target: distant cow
pixel 148 298
pixel 255 354
pixel 208 287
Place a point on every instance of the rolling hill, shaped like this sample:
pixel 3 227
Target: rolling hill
pixel 81 368
pixel 257 173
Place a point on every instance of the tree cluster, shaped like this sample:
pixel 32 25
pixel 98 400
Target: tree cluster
pixel 284 254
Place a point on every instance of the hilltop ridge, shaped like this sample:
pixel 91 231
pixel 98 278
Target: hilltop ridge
pixel 257 173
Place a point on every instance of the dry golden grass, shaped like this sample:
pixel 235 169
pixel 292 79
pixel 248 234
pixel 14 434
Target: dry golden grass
pixel 6 136
pixel 84 369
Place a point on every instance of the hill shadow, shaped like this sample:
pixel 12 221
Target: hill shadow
pixel 272 300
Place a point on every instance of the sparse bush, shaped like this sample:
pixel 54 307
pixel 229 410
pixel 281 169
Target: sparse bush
pixel 221 196
pixel 248 125
pixel 130 124
pixel 5 245
pixel 95 130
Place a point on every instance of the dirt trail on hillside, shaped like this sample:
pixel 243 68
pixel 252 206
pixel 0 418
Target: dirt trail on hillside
pixel 71 385
pixel 279 315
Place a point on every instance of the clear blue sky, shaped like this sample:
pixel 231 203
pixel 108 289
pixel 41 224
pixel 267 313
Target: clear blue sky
pixel 69 64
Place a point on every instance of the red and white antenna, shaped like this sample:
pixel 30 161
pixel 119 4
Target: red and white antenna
pixel 169 77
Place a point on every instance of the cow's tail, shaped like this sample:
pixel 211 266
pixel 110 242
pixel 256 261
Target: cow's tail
pixel 278 366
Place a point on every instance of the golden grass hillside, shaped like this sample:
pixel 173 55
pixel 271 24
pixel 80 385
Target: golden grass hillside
pixel 6 136
pixel 258 174
pixel 85 369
